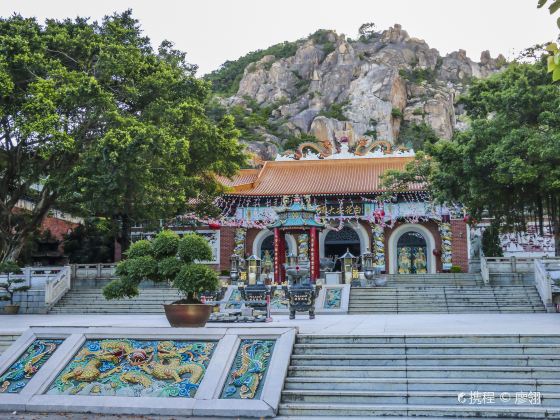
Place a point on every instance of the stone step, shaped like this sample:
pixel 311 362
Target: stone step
pixel 430 359
pixel 476 373
pixel 336 410
pixel 428 349
pixel 397 397
pixel 6 341
pixel 425 339
pixel 454 385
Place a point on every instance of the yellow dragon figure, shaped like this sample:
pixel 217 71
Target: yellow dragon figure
pixel 30 367
pixel 90 371
pixel 254 360
pixel 170 365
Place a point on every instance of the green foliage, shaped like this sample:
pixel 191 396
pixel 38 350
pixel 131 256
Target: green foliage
pixel 507 164
pixel 139 268
pixel 418 171
pixel 396 113
pixel 456 269
pixel 553 61
pixel 367 31
pixel 195 278
pixel 416 135
pixel 92 242
pixel 336 111
pixel 12 285
pixel 225 80
pixel 169 267
pixel 165 259
pixel 553 7
pixel 491 245
pixel 293 142
pixel 418 75
pixel 140 248
pixel 105 124
pixel 9 267
pixel 165 244
pixel 123 287
pixel 193 247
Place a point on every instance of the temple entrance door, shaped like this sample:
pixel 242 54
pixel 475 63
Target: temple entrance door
pixel 337 243
pixel 411 254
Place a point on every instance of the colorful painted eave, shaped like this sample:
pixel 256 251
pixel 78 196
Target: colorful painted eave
pixel 316 177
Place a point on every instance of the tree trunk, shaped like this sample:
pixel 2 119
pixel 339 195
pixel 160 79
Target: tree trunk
pixel 18 233
pixel 123 236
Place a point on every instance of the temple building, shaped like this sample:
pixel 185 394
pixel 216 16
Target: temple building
pixel 340 184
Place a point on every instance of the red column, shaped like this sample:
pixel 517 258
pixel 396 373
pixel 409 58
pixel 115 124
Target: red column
pixel 314 253
pixel 279 255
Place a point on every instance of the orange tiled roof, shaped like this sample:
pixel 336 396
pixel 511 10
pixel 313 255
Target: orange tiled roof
pixel 243 177
pixel 336 176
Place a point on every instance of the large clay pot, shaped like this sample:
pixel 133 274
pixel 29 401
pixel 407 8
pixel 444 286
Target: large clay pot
pixel 187 315
pixel 11 309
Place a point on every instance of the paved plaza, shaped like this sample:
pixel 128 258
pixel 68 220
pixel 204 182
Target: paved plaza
pixel 411 324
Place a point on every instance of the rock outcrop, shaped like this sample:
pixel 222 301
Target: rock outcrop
pixel 369 86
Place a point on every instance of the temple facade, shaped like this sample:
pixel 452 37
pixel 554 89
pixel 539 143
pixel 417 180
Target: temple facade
pixel 342 185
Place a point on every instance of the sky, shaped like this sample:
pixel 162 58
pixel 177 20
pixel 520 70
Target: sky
pixel 213 31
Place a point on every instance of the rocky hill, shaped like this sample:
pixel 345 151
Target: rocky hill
pixel 382 86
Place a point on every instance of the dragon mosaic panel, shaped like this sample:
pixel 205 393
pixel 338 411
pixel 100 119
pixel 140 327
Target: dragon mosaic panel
pixel 279 298
pixel 20 373
pixel 245 379
pixel 235 299
pixel 135 368
pixel 333 297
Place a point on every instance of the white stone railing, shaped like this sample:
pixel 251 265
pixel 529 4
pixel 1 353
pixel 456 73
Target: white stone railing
pixel 543 282
pixel 510 264
pixel 35 277
pixel 57 287
pixel 484 271
pixel 93 271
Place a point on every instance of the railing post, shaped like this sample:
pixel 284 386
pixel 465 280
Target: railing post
pixel 98 267
pixel 27 276
pixel 513 264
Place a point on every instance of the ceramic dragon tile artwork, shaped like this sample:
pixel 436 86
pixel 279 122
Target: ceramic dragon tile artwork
pixel 235 299
pixel 27 365
pixel 245 379
pixel 135 368
pixel 333 297
pixel 279 298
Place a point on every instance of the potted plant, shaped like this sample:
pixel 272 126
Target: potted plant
pixel 11 286
pixel 168 258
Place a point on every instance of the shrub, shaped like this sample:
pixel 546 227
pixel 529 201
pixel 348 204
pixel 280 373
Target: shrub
pixel 166 258
pixel 194 279
pixel 456 269
pixel 396 113
pixel 193 247
pixel 139 249
pixel 169 267
pixel 165 244
pixel 12 285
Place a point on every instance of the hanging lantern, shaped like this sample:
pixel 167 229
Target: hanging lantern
pixel 214 225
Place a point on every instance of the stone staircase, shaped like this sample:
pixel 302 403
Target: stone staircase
pixel 444 293
pixel 91 300
pixel 6 340
pixel 344 376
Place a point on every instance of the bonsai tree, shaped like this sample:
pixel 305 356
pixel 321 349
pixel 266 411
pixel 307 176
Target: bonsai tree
pixel 167 258
pixel 12 285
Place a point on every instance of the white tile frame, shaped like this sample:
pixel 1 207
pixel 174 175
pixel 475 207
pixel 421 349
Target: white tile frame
pixel 206 401
pixel 344 300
